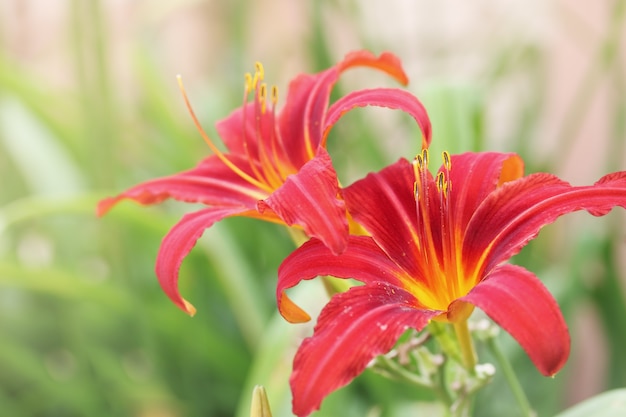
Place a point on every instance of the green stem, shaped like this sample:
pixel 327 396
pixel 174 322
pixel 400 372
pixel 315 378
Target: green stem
pixel 511 378
pixel 468 353
pixel 444 339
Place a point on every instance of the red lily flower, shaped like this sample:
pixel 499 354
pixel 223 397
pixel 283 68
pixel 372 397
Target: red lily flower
pixel 276 169
pixel 437 249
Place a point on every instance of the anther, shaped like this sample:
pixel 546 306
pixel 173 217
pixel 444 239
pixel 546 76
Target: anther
pixel 259 70
pixel 259 74
pixel 248 82
pixel 274 95
pixel 442 185
pixel 263 96
pixel 419 160
pixel 425 158
pixel 446 160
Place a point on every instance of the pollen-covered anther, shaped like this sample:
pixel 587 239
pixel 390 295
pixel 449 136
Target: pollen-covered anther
pixel 259 70
pixel 247 83
pixel 442 184
pixel 424 164
pixel 274 95
pixel 263 96
pixel 447 166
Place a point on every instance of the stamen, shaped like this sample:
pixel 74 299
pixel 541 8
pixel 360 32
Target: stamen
pixel 259 74
pixel 441 184
pixel 247 86
pixel 425 158
pixel 259 69
pixel 446 160
pixel 214 148
pixel 447 165
pixel 274 96
pixel 263 97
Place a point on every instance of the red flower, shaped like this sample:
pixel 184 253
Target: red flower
pixel 438 247
pixel 276 169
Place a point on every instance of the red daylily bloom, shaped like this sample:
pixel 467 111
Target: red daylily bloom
pixel 438 247
pixel 276 169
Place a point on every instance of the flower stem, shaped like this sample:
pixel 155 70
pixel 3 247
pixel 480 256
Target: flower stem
pixel 511 378
pixel 467 345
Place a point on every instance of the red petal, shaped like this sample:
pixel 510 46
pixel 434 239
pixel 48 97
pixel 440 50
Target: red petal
pixel 309 199
pixel 177 244
pixel 352 329
pixel 251 134
pixel 363 260
pixel 392 98
pixel 211 183
pixel 384 204
pixel 516 300
pixel 474 176
pixel 302 118
pixel 512 215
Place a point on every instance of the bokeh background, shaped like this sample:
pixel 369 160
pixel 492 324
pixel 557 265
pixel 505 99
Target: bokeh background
pixel 89 106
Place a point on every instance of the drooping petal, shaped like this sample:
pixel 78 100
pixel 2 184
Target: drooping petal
pixel 513 214
pixel 391 98
pixel 517 301
pixel 363 260
pixel 310 199
pixel 351 330
pixel 302 118
pixel 177 244
pixel 211 182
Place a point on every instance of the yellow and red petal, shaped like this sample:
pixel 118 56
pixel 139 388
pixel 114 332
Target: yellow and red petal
pixel 353 328
pixel 519 303
pixel 476 175
pixel 514 213
pixel 363 260
pixel 384 204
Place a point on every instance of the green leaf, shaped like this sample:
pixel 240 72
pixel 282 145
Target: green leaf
pixel 607 404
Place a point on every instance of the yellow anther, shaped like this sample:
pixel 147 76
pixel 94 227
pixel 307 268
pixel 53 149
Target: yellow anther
pixel 274 95
pixel 259 69
pixel 425 157
pixel 442 184
pixel 259 74
pixel 446 160
pixel 263 96
pixel 419 161
pixel 248 82
pixel 415 191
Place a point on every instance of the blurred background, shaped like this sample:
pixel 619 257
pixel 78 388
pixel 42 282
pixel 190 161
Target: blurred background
pixel 89 106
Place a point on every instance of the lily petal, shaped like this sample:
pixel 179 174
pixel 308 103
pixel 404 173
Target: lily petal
pixel 363 260
pixel 210 182
pixel 474 176
pixel 310 199
pixel 514 214
pixel 352 329
pixel 384 204
pixel 301 119
pixel 391 98
pixel 177 244
pixel 515 299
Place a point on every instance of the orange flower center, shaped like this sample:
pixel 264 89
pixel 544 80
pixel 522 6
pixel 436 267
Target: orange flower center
pixel 438 243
